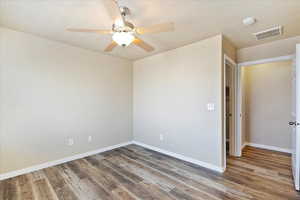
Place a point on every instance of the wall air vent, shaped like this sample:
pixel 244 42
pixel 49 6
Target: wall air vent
pixel 269 33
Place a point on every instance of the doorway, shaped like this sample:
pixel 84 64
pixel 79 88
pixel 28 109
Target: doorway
pixel 229 108
pixel 272 104
pixel 264 101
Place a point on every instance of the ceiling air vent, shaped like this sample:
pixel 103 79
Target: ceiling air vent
pixel 268 33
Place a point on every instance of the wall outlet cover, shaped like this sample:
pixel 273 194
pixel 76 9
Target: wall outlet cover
pixel 161 137
pixel 70 141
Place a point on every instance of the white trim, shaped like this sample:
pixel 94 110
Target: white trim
pixel 244 145
pixel 233 140
pixel 229 59
pixel 238 114
pixel 267 60
pixel 181 157
pixel 273 148
pixel 296 149
pixel 240 151
pixel 60 161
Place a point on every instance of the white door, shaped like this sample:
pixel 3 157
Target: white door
pixel 296 121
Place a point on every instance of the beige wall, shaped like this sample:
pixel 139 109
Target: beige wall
pixel 268 50
pixel 268 93
pixel 171 92
pixel 229 49
pixel 50 92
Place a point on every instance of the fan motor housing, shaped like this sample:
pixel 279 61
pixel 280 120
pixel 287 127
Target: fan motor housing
pixel 128 27
pixel 125 11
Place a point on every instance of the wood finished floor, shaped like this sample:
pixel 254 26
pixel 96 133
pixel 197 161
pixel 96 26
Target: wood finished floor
pixel 133 172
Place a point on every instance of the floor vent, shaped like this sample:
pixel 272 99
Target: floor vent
pixel 268 33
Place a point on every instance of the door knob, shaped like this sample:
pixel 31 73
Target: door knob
pixel 294 123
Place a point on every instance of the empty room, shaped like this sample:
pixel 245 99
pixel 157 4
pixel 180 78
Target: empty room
pixel 149 99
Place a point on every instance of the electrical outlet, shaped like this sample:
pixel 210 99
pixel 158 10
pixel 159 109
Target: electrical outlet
pixel 90 138
pixel 161 137
pixel 70 141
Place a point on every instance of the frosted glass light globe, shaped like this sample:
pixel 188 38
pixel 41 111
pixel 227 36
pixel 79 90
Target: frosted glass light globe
pixel 123 38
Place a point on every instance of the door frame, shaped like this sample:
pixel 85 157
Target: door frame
pixel 296 171
pixel 239 114
pixel 233 138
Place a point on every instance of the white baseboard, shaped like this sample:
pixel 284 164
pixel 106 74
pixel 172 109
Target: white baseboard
pixel 243 146
pixel 90 153
pixel 262 146
pixel 181 157
pixel 60 161
pixel 239 153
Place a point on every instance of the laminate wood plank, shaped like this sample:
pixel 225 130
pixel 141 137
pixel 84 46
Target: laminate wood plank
pixel 104 180
pixel 178 194
pixel 82 187
pixel 43 191
pixel 189 169
pixel 59 185
pixel 95 191
pixel 202 186
pixel 275 191
pixel 133 177
pixel 36 175
pixel 1 189
pixel 136 189
pixel 105 184
pixel 77 170
pixel 160 194
pixel 137 173
pixel 25 185
pixel 122 193
pixel 147 175
pixel 140 189
pixel 10 189
pixel 163 180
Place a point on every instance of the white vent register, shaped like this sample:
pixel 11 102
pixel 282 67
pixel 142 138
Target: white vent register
pixel 278 30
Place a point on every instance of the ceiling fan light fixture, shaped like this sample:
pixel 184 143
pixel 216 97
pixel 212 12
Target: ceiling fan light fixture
pixel 119 23
pixel 123 38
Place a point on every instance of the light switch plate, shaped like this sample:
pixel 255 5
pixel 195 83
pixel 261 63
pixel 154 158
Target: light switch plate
pixel 210 106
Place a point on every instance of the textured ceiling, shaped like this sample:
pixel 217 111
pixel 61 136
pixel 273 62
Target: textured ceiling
pixel 194 20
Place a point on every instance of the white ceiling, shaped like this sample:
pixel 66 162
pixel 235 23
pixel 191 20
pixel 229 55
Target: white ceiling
pixel 194 20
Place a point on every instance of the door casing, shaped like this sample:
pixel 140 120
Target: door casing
pixel 232 137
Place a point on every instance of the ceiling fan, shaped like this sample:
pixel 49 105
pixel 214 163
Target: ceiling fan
pixel 124 32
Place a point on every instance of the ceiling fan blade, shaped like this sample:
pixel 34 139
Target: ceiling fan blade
pixel 111 9
pixel 142 44
pixel 119 15
pixel 90 30
pixel 111 46
pixel 158 28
